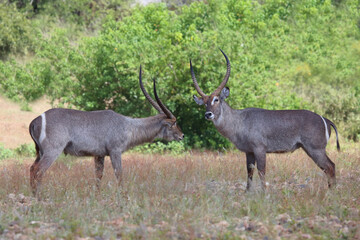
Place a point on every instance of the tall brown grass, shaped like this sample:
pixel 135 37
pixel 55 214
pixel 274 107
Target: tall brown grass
pixel 195 195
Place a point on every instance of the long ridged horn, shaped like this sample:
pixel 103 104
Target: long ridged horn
pixel 164 109
pixel 202 94
pixel 226 78
pixel 155 105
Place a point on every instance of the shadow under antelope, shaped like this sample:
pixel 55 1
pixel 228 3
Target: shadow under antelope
pixel 96 133
pixel 258 131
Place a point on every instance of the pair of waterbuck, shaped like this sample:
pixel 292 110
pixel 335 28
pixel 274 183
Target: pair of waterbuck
pixel 252 130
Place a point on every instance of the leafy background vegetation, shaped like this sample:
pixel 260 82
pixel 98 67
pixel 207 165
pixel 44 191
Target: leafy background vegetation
pixel 285 55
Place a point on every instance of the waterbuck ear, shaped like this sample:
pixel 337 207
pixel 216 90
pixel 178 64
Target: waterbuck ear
pixel 224 93
pixel 198 100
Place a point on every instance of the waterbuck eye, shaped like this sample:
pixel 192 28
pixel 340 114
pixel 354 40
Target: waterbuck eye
pixel 216 100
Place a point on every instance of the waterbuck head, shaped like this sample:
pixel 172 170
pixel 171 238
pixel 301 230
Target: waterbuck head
pixel 169 129
pixel 214 101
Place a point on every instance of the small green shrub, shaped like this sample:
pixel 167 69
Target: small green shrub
pixel 25 150
pixel 173 147
pixel 5 153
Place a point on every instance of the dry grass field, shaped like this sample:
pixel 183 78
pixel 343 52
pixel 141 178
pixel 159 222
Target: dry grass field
pixel 193 196
pixel 196 195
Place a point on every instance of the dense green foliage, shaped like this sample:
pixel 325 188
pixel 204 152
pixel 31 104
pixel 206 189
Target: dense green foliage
pixel 16 32
pixel 284 54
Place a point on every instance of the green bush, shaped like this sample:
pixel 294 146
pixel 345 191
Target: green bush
pixel 25 150
pixel 5 153
pixel 163 42
pixel 88 13
pixel 173 147
pixel 16 32
pixel 284 55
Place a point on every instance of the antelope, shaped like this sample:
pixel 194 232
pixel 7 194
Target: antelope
pixel 258 131
pixel 96 133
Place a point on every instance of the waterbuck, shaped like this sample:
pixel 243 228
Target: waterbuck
pixel 258 131
pixel 96 133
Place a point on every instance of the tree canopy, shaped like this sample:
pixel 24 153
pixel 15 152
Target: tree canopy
pixel 284 55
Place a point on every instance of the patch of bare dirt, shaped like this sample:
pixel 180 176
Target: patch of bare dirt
pixel 14 123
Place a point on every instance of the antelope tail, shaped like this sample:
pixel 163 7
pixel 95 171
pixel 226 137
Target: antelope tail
pixel 337 137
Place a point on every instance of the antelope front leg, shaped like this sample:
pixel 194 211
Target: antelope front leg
pixel 250 165
pixel 99 169
pixel 115 157
pixel 260 158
